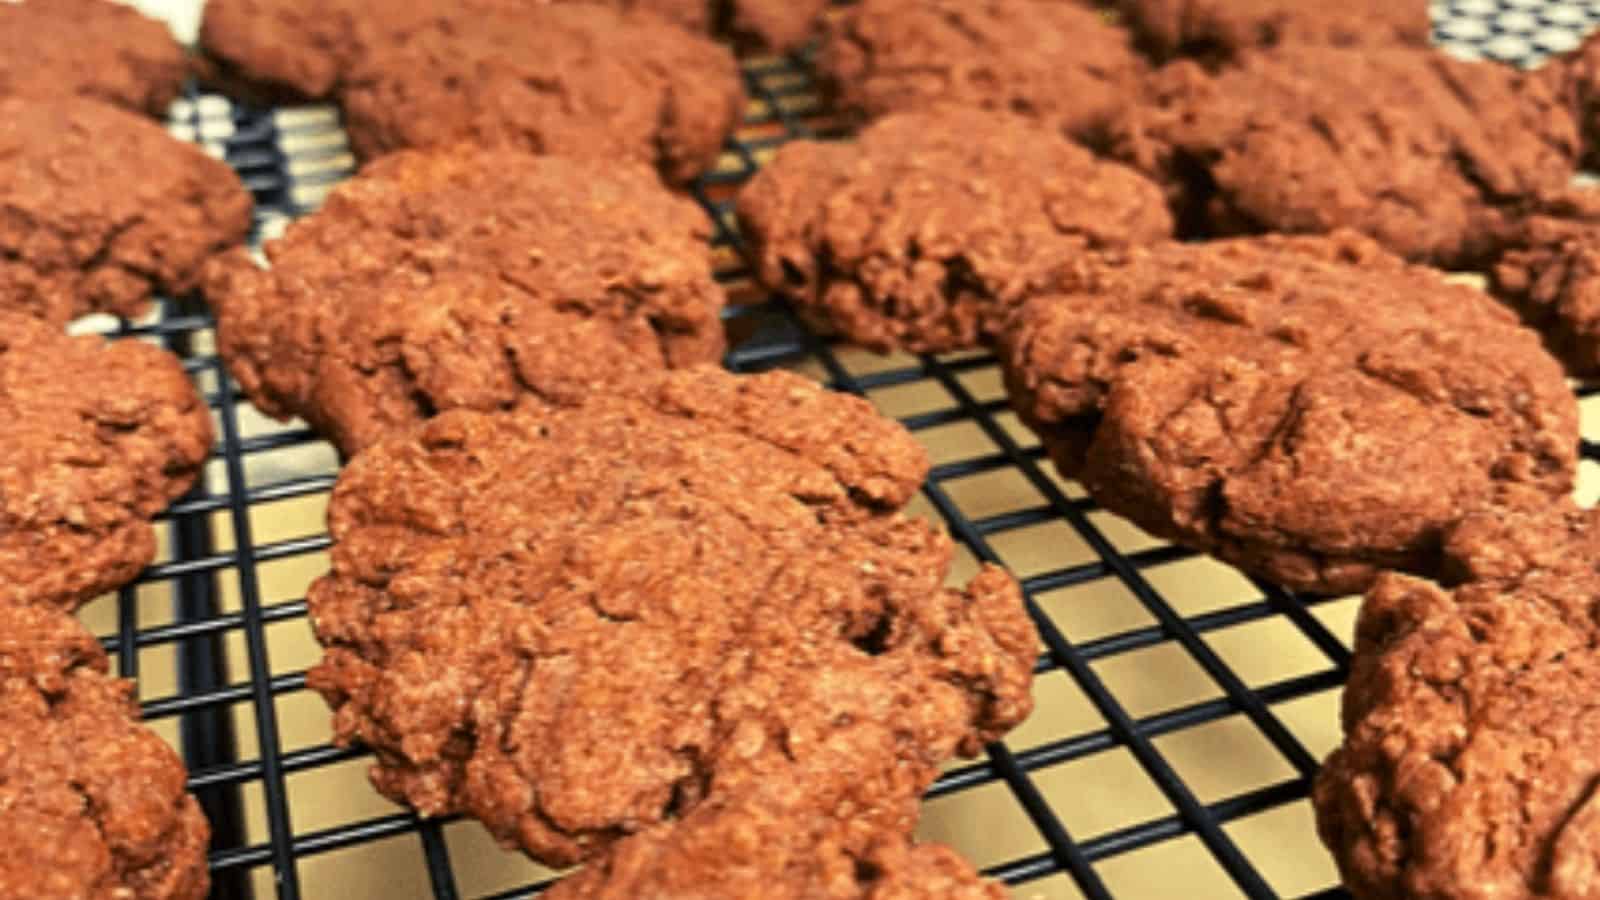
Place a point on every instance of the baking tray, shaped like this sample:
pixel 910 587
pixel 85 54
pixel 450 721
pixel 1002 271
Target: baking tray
pixel 1183 708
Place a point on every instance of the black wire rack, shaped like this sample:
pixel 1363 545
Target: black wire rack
pixel 203 609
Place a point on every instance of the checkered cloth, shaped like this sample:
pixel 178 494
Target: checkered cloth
pixel 1515 31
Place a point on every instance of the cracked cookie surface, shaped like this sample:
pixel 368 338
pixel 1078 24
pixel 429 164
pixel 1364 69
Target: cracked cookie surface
pixel 89 48
pixel 1311 409
pixel 925 231
pixel 1057 62
pixel 708 579
pixel 568 79
pixel 92 804
pixel 1223 29
pixel 1550 274
pixel 396 300
pixel 96 437
pixel 307 49
pixel 100 209
pixel 1432 156
pixel 1469 766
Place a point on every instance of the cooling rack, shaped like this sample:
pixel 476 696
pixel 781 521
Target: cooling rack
pixel 1151 658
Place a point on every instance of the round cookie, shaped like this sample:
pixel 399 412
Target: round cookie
pixel 569 79
pixel 1223 29
pixel 928 229
pixel 708 577
pixel 91 803
pixel 1058 62
pixel 1468 766
pixel 1310 409
pixel 96 437
pixel 480 279
pixel 1430 155
pixel 100 208
pixel 306 49
pixel 89 48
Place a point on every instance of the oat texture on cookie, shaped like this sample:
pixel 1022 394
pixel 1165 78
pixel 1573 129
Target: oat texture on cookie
pixel 705 612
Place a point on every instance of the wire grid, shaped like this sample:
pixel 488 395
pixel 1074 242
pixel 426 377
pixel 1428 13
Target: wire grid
pixel 212 567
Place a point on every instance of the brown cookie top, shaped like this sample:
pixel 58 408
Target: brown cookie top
pixel 779 25
pixel 1575 76
pixel 100 208
pixel 1310 409
pixel 710 574
pixel 480 279
pixel 306 49
pixel 94 804
pixel 89 48
pixel 774 25
pixel 1222 29
pixel 96 437
pixel 925 231
pixel 1468 766
pixel 1058 62
pixel 569 79
pixel 1550 274
pixel 1428 154
pixel 795 822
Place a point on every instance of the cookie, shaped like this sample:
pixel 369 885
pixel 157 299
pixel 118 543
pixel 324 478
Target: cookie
pixel 790 829
pixel 709 577
pixel 99 209
pixel 569 79
pixel 96 437
pixel 478 279
pixel 1058 62
pixel 91 803
pixel 89 48
pixel 1310 409
pixel 927 230
pixel 306 49
pixel 779 25
pixel 1550 274
pixel 1430 155
pixel 754 25
pixel 1223 29
pixel 1575 76
pixel 1468 765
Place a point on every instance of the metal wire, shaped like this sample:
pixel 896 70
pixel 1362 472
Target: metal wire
pixel 287 171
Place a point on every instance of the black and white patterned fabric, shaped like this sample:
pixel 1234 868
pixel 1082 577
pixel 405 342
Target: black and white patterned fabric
pixel 1522 32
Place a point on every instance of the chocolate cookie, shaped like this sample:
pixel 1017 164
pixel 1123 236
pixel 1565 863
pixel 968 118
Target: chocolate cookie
pixel 95 438
pixel 479 279
pixel 1575 76
pixel 1222 29
pixel 1550 274
pixel 1310 409
pixel 100 208
pixel 91 804
pixel 1469 764
pixel 708 585
pixel 89 48
pixel 1058 62
pixel 779 25
pixel 792 829
pixel 569 79
pixel 925 232
pixel 306 49
pixel 1428 154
